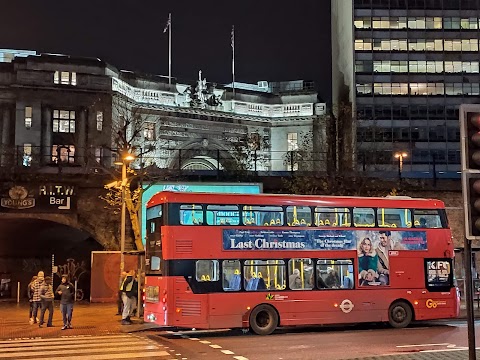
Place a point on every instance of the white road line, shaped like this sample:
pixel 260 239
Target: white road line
pixel 418 345
pixel 194 338
pixel 227 352
pixel 39 354
pixel 128 355
pixel 441 350
pixel 68 346
pixel 66 339
pixel 240 358
pixel 215 346
pixel 205 342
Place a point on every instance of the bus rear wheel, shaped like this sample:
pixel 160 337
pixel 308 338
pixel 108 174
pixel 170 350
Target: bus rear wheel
pixel 400 314
pixel 263 320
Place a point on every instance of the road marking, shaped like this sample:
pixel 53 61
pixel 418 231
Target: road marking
pixel 227 352
pixel 441 350
pixel 19 347
pixel 83 348
pixel 205 342
pixel 216 346
pixel 417 345
pixel 240 358
pixel 66 339
pixel 194 338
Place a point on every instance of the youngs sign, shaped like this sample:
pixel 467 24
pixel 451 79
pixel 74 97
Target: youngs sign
pixel 49 198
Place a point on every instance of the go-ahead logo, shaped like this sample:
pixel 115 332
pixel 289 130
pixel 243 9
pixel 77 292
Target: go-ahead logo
pixel 432 304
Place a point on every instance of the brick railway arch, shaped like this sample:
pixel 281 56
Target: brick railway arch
pixel 103 238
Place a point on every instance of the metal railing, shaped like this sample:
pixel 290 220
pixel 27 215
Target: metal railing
pixel 202 160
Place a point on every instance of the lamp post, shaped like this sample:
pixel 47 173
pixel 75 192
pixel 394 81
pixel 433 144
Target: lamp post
pixel 126 159
pixel 400 156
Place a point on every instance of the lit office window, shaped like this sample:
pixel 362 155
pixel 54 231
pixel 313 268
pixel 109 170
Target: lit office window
pixel 292 141
pixel 63 153
pixel 99 120
pixel 149 131
pixel 63 121
pixel 28 117
pixel 65 78
pixel 27 155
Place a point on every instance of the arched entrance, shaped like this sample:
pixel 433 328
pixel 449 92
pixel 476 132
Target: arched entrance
pixel 201 155
pixel 201 163
pixel 28 245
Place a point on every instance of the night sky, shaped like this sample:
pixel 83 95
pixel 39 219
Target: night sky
pixel 274 40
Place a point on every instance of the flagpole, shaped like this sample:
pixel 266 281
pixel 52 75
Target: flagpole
pixel 169 48
pixel 233 61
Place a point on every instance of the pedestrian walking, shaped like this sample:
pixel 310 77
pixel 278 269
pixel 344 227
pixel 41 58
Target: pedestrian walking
pixel 47 296
pixel 119 298
pixel 37 301
pixel 66 291
pixel 30 291
pixel 129 287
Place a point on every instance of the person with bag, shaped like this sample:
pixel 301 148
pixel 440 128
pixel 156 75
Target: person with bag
pixel 129 290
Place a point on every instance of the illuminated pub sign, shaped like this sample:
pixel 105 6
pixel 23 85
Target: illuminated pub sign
pixel 43 198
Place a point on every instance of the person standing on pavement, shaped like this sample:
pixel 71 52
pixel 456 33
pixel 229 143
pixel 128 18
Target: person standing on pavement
pixel 30 291
pixel 127 288
pixel 47 296
pixel 66 291
pixel 37 301
pixel 119 299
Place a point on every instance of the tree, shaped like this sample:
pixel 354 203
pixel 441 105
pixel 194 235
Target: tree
pixel 133 132
pixel 249 154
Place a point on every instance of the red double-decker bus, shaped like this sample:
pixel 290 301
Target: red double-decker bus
pixel 263 261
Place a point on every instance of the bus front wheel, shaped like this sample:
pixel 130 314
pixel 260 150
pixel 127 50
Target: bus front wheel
pixel 263 320
pixel 400 314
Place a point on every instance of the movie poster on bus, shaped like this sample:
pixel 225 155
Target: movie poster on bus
pixel 374 249
pixel 294 239
pixel 303 239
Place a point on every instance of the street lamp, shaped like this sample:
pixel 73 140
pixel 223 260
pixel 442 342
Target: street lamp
pixel 400 156
pixel 126 159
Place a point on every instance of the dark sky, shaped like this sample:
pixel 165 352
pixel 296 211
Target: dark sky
pixel 274 40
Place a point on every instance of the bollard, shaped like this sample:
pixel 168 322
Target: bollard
pixel 18 292
pixel 75 296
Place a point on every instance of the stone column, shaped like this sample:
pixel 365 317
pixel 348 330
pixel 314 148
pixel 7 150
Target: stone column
pixel 81 129
pixel 47 130
pixel 7 148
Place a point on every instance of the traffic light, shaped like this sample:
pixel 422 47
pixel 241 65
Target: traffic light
pixel 470 147
pixel 472 206
pixel 470 136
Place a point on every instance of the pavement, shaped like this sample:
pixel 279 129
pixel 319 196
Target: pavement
pixel 88 319
pixel 100 319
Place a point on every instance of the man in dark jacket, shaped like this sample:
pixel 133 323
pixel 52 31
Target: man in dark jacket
pixel 47 296
pixel 66 291
pixel 129 290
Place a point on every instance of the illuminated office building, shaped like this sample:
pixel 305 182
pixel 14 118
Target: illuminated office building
pixel 407 65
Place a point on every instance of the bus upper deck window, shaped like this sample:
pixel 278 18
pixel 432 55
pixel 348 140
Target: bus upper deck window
pixel 337 217
pixel 427 218
pixel 191 214
pixel 223 215
pixel 394 218
pixel 299 216
pixel 363 217
pixel 262 215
